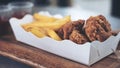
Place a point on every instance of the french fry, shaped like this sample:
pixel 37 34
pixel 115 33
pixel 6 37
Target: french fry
pixel 43 18
pixel 55 25
pixel 38 32
pixel 45 26
pixel 53 34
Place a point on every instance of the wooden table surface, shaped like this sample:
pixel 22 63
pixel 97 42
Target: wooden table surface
pixel 38 58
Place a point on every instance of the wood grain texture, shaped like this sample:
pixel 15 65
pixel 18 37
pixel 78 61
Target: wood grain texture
pixel 38 58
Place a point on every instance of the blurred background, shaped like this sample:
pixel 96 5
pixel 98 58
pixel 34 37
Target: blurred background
pixel 102 6
pixel 81 9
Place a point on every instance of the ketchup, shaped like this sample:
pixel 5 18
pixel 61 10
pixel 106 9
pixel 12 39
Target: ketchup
pixel 5 14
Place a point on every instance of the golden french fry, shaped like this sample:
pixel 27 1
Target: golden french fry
pixel 38 32
pixel 55 25
pixel 45 26
pixel 43 18
pixel 27 27
pixel 53 34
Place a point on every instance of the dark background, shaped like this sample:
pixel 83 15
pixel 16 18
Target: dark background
pixel 116 8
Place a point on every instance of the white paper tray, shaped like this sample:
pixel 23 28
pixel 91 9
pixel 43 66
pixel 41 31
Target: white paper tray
pixel 87 54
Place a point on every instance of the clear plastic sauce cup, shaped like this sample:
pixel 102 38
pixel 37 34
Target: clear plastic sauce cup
pixel 5 14
pixel 21 8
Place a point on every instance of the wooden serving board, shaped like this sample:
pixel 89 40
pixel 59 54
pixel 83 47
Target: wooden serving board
pixel 38 58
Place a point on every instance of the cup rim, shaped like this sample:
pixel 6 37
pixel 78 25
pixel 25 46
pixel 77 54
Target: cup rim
pixel 4 8
pixel 24 4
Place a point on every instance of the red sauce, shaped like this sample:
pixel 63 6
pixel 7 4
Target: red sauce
pixel 19 14
pixel 4 26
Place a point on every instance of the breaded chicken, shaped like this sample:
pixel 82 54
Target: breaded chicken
pixel 67 29
pixel 77 37
pixel 97 28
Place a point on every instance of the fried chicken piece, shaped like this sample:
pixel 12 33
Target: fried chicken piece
pixel 104 23
pixel 97 28
pixel 77 37
pixel 67 29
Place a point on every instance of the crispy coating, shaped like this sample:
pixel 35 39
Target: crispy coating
pixel 77 37
pixel 97 28
pixel 67 29
pixel 80 32
pixel 104 23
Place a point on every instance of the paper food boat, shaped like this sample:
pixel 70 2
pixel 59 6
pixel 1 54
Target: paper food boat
pixel 87 53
